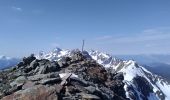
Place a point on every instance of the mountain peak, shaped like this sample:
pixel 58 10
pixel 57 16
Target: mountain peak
pixel 4 57
pixel 57 49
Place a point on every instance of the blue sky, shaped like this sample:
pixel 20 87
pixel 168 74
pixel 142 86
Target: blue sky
pixel 113 26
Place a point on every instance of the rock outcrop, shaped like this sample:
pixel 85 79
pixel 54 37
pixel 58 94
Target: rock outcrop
pixel 71 78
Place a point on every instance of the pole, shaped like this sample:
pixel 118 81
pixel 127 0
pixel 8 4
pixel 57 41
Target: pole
pixel 83 46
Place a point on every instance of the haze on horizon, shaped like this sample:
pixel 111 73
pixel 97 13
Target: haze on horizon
pixel 113 26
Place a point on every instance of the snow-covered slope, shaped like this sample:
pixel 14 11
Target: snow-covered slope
pixel 140 84
pixel 8 62
pixel 55 54
pixel 104 59
pixel 153 88
pixel 152 84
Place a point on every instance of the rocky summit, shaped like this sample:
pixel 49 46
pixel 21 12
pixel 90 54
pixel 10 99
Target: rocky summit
pixel 75 77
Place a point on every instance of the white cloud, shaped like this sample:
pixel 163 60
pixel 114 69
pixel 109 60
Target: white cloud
pixel 142 38
pixel 104 37
pixel 150 41
pixel 157 34
pixel 17 8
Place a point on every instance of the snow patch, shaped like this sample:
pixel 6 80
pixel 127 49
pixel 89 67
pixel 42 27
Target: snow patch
pixel 65 74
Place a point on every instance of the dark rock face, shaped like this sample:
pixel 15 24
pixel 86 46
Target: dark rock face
pixel 77 56
pixel 143 86
pixel 72 78
pixel 86 54
pixel 29 59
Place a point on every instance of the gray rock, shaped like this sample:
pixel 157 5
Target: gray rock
pixel 64 61
pixel 89 97
pixel 38 92
pixel 49 67
pixel 118 76
pixel 20 64
pixel 79 81
pixel 61 64
pixel 34 64
pixel 50 81
pixel 28 60
pixel 43 62
pixel 43 69
pixel 76 56
pixel 4 89
pixel 90 89
pixel 43 76
pixel 19 81
pixel 28 84
pixel 36 70
pixel 64 79
pixel 54 67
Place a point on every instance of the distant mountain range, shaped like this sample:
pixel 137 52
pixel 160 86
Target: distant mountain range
pixel 158 64
pixel 6 62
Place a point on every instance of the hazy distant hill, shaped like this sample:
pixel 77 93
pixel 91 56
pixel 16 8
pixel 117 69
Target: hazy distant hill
pixel 8 62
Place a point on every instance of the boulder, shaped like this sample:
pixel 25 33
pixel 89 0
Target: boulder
pixel 90 89
pixel 38 92
pixel 19 81
pixel 33 64
pixel 28 60
pixel 50 81
pixel 75 81
pixel 43 69
pixel 77 56
pixel 20 64
pixel 97 74
pixel 47 67
pixel 86 96
pixel 118 76
pixel 54 67
pixel 43 76
pixel 64 61
pixel 28 84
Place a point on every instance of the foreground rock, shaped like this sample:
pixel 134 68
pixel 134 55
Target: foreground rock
pixel 71 78
pixel 38 92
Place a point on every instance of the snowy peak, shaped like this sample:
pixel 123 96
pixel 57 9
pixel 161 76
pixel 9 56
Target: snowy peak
pixel 54 55
pixel 96 55
pixel 139 83
pixel 104 59
pixel 57 49
pixel 142 84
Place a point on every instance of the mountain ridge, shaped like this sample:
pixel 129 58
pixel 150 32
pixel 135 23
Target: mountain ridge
pixel 111 62
pixel 82 75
